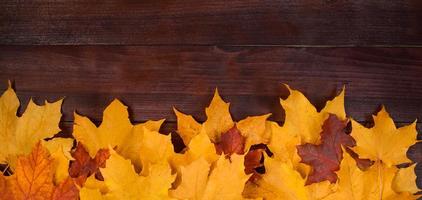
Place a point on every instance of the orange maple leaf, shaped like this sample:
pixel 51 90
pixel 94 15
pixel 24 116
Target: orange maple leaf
pixel 33 178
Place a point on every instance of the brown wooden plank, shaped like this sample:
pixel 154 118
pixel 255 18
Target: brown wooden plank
pixel 150 80
pixel 235 22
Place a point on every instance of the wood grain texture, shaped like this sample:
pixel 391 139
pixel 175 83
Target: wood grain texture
pixel 150 80
pixel 187 22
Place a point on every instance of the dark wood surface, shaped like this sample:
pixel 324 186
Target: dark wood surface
pixel 157 54
pixel 235 22
pixel 150 80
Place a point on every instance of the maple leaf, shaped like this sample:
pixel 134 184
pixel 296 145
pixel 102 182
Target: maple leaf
pixel 199 146
pixel 384 142
pixel 283 146
pixel 116 131
pixel 59 149
pixel 198 183
pixel 374 183
pixel 304 120
pixel 302 124
pixel 33 178
pixel 231 142
pixel 405 180
pixel 84 166
pixel 253 159
pixel 149 152
pixel 125 183
pixel 325 158
pixel 219 121
pixel 187 126
pixel 255 129
pixel 18 135
pixel 280 181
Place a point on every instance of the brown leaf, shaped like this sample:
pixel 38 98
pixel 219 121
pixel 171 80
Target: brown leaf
pixel 254 161
pixel 325 158
pixel 84 165
pixel 231 142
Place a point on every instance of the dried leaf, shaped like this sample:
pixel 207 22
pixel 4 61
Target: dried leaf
pixel 384 142
pixel 18 135
pixel 325 158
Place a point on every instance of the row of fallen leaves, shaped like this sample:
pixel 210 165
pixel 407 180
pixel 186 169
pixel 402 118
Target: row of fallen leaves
pixel 309 157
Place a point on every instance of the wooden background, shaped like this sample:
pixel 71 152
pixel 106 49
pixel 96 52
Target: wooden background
pixel 155 54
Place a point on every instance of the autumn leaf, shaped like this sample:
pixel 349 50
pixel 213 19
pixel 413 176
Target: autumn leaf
pixel 384 142
pixel 234 139
pixel 59 149
pixel 304 120
pixel 197 184
pixel 302 124
pixel 194 177
pixel 155 148
pixel 325 157
pixel 253 160
pixel 18 135
pixel 33 178
pixel 187 126
pixel 405 180
pixel 280 181
pixel 219 121
pixel 255 129
pixel 125 183
pixel 84 166
pixel 116 131
pixel 374 183
pixel 199 146
pixel 231 142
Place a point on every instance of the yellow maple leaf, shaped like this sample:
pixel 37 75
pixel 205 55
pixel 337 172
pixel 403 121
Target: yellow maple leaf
pixel 304 120
pixel 219 119
pixel 405 180
pixel 187 126
pixel 90 194
pixel 283 145
pixel 280 181
pixel 59 149
pixel 199 146
pixel 384 142
pixel 193 180
pixel 18 135
pixel 155 148
pixel 125 183
pixel 115 131
pixel 226 180
pixel 93 189
pixel 374 183
pixel 254 129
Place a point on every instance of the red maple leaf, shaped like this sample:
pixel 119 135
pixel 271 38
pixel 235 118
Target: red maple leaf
pixel 325 158
pixel 84 166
